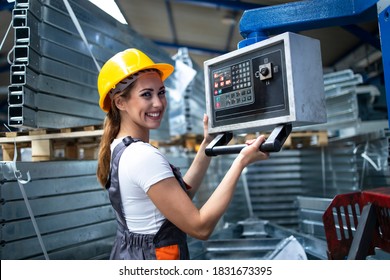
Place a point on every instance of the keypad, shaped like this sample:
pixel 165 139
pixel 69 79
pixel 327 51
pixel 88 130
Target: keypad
pixel 240 92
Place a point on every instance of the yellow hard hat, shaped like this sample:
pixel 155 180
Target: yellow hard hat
pixel 121 66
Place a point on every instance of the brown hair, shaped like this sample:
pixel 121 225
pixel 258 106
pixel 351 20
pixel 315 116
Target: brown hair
pixel 111 126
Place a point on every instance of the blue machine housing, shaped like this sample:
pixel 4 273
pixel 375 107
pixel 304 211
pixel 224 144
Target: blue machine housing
pixel 258 24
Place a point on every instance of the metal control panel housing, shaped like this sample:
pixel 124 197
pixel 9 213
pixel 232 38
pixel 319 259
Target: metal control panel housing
pixel 275 81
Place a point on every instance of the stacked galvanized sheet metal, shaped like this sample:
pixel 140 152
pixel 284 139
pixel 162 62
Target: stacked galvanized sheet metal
pixel 347 115
pixel 53 76
pixel 341 99
pixel 72 212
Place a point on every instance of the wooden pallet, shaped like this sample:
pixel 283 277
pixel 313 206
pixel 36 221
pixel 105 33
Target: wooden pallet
pixel 301 139
pixel 72 143
pixel 306 139
pixel 189 141
pixel 83 143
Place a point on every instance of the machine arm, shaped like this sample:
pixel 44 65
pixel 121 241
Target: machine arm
pixel 259 24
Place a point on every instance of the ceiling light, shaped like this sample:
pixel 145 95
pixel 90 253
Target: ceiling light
pixel 111 8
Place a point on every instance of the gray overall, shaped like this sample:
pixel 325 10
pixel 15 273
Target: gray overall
pixel 168 243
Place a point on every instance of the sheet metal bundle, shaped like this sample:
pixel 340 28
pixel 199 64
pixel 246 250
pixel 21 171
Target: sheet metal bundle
pixel 73 212
pixel 350 105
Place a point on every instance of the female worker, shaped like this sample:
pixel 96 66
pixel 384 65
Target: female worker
pixel 152 200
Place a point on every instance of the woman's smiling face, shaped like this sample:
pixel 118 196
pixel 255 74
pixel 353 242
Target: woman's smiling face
pixel 147 103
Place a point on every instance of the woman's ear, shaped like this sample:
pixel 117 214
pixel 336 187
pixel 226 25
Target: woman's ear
pixel 119 103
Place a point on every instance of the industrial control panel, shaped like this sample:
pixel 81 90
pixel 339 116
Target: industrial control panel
pixel 275 81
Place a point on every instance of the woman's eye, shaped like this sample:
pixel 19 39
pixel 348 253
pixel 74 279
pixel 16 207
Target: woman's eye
pixel 162 92
pixel 146 94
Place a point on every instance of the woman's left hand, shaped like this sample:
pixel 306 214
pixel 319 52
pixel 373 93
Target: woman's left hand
pixel 207 137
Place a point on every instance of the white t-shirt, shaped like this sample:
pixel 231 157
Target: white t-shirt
pixel 141 166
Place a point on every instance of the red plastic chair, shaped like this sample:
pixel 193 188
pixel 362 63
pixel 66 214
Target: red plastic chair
pixel 357 223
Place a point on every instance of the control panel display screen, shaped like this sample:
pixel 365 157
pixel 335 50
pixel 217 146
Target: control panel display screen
pixel 249 87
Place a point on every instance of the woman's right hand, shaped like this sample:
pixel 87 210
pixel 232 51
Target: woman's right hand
pixel 251 153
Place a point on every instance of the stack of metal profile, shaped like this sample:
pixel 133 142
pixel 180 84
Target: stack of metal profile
pixel 341 98
pixel 341 101
pixel 350 106
pixel 53 75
